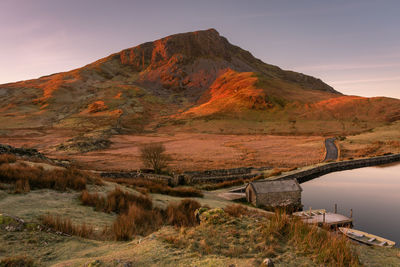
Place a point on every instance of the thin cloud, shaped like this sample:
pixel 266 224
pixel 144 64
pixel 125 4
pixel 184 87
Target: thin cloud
pixel 347 66
pixel 385 79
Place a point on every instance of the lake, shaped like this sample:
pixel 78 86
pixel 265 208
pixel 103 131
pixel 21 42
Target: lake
pixel 372 192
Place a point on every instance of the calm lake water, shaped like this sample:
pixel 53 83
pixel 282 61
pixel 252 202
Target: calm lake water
pixel 373 193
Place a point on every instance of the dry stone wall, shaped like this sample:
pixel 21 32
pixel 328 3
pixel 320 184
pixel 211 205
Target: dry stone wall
pixel 279 199
pixel 304 176
pixel 135 175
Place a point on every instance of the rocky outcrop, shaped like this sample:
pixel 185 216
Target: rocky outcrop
pixel 84 144
pixel 31 153
pixel 22 152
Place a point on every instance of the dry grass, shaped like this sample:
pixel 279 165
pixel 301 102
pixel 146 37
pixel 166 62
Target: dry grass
pixel 116 201
pixel 141 221
pixel 22 186
pixel 379 141
pixel 236 210
pixel 221 234
pixel 255 236
pixel 321 245
pixel 37 177
pixel 376 148
pixel 66 226
pixel 7 158
pixel 200 151
pixel 17 261
pixel 144 186
pixel 137 221
pixel 183 213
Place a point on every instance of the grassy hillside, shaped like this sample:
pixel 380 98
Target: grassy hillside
pixel 192 82
pixel 227 234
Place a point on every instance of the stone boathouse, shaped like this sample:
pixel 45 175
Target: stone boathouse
pixel 274 194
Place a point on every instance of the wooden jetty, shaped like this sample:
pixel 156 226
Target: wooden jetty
pixel 323 218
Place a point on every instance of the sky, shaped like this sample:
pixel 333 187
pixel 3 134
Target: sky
pixel 352 45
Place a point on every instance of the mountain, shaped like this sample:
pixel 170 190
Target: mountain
pixel 194 81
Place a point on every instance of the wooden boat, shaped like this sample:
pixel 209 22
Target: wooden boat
pixel 366 238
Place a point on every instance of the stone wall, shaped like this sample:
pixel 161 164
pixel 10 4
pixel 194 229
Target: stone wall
pixel 279 199
pixel 136 175
pixel 304 176
pixel 217 179
pixel 219 172
pixel 221 175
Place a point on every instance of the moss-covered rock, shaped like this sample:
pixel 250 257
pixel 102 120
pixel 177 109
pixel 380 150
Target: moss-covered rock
pixel 213 216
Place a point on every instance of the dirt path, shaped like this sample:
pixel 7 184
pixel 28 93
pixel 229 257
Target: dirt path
pixel 331 149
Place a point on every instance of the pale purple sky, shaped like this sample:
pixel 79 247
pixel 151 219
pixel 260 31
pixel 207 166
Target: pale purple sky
pixel 352 45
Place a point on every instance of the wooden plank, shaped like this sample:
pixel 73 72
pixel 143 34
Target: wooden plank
pixel 330 219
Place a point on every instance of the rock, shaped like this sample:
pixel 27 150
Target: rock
pixel 10 228
pixel 267 262
pixel 22 152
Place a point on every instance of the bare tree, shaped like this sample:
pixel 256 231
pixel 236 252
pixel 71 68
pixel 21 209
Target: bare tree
pixel 153 156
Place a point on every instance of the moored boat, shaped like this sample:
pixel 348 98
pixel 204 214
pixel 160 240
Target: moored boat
pixel 366 238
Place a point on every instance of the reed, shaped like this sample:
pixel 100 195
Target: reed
pixel 66 226
pixel 7 158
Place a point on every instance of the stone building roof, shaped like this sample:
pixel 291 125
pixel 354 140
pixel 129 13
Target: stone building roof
pixel 262 187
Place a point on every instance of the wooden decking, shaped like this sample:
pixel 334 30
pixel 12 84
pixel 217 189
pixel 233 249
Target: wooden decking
pixel 321 217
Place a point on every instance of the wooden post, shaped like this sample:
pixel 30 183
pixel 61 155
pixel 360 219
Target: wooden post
pixel 323 218
pixel 351 213
pixel 335 208
pixel 310 211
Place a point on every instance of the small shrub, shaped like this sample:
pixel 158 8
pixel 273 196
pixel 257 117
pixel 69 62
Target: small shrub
pixel 137 221
pixel 17 261
pixel 22 186
pixel 116 201
pixel 7 158
pixel 119 201
pixel 236 210
pixel 93 200
pixel 183 213
pixel 58 179
pixel 65 225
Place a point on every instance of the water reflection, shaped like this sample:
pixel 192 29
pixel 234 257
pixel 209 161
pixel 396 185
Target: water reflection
pixel 373 193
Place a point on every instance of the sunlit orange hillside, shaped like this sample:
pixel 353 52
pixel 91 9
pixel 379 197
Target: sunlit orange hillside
pixel 193 82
